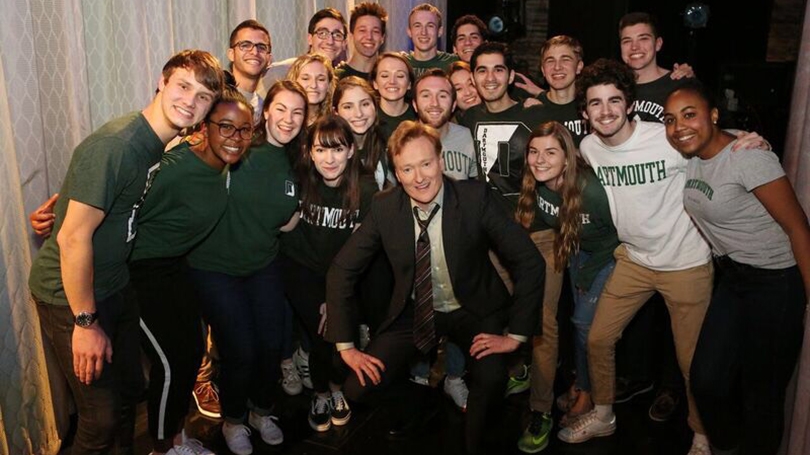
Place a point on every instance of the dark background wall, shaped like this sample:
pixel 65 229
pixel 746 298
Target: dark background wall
pixel 732 53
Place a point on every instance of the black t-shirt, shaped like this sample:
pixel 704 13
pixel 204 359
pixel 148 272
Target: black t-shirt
pixel 388 124
pixel 651 96
pixel 345 70
pixel 316 239
pixel 568 115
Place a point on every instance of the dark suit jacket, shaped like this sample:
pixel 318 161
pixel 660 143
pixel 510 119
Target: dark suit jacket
pixel 472 224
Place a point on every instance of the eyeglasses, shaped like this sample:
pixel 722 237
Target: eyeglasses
pixel 247 46
pixel 323 33
pixel 228 130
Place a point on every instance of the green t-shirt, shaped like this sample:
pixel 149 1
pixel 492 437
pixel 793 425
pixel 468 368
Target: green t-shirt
pixel 317 239
pixel 597 236
pixel 568 115
pixel 111 170
pixel 388 124
pixel 345 70
pixel 263 197
pixel 184 204
pixel 442 60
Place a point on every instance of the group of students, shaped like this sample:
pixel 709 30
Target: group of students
pixel 617 172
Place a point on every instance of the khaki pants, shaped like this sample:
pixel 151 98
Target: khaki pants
pixel 687 294
pixel 544 347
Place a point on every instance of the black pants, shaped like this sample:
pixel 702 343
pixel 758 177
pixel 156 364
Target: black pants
pixel 306 291
pixel 395 348
pixel 746 354
pixel 100 405
pixel 171 336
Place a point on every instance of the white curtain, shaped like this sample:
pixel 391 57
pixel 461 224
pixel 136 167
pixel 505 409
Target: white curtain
pixel 66 68
pixel 797 167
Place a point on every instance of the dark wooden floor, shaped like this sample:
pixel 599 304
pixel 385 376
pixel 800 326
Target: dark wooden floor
pixel 441 432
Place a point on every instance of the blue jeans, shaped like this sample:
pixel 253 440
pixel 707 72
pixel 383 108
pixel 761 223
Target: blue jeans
pixel 584 310
pixel 246 315
pixel 454 362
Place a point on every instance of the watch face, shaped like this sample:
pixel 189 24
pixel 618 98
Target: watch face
pixel 84 319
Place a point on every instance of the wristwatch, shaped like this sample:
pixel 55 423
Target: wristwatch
pixel 85 319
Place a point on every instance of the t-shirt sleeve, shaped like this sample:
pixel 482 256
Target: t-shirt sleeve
pixel 754 168
pixel 99 173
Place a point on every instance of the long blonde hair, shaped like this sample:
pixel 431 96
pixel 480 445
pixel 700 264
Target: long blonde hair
pixel 566 243
pixel 295 71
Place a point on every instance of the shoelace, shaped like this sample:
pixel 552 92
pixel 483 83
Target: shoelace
pixel 339 400
pixel 207 391
pixel 321 405
pixel 192 447
pixel 289 373
pixel 536 424
pixel 583 421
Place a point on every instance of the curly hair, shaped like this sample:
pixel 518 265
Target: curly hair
pixel 606 72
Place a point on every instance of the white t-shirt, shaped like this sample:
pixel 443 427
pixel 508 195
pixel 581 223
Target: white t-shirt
pixel 644 180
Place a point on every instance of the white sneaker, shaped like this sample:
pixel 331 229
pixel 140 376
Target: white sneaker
pixel 190 447
pixel 271 433
pixel 237 437
pixel 300 359
pixel 290 381
pixel 456 389
pixel 587 426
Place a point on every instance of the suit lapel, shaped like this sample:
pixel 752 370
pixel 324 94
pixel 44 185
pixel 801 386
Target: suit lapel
pixel 405 238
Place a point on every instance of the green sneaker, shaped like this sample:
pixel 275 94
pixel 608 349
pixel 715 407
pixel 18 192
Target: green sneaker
pixel 535 438
pixel 519 383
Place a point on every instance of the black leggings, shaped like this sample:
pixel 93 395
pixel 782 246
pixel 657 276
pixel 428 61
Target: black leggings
pixel 306 291
pixel 746 354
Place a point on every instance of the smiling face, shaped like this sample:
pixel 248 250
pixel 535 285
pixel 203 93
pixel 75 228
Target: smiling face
pixel 466 93
pixel 357 107
pixel 419 169
pixel 330 162
pixel 424 30
pixel 367 36
pixel 434 101
pixel 492 77
pixel 314 77
pixel 392 81
pixel 546 161
pixel 560 66
pixel 284 116
pixel 606 109
pixel 639 46
pixel 690 124
pixel 227 150
pixel 328 46
pixel 468 38
pixel 184 100
pixel 253 63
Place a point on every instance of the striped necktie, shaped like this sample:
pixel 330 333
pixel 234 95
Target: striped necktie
pixel 424 328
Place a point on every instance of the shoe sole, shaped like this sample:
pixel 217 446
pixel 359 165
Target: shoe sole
pixel 340 422
pixel 591 436
pixel 533 450
pixel 322 427
pixel 213 415
pixel 634 394
pixel 270 443
pixel 661 419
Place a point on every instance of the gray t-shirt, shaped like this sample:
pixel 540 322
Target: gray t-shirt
pixel 458 152
pixel 718 196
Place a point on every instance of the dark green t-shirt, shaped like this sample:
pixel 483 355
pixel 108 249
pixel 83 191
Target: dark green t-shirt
pixel 388 124
pixel 650 97
pixel 110 170
pixel 345 70
pixel 500 146
pixel 597 236
pixel 263 197
pixel 442 60
pixel 317 239
pixel 568 115
pixel 184 204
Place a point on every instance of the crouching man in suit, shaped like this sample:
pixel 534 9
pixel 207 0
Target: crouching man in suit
pixel 437 233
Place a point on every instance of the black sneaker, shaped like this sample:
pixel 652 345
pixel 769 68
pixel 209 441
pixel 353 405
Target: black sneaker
pixel 627 390
pixel 340 409
pixel 320 413
pixel 664 405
